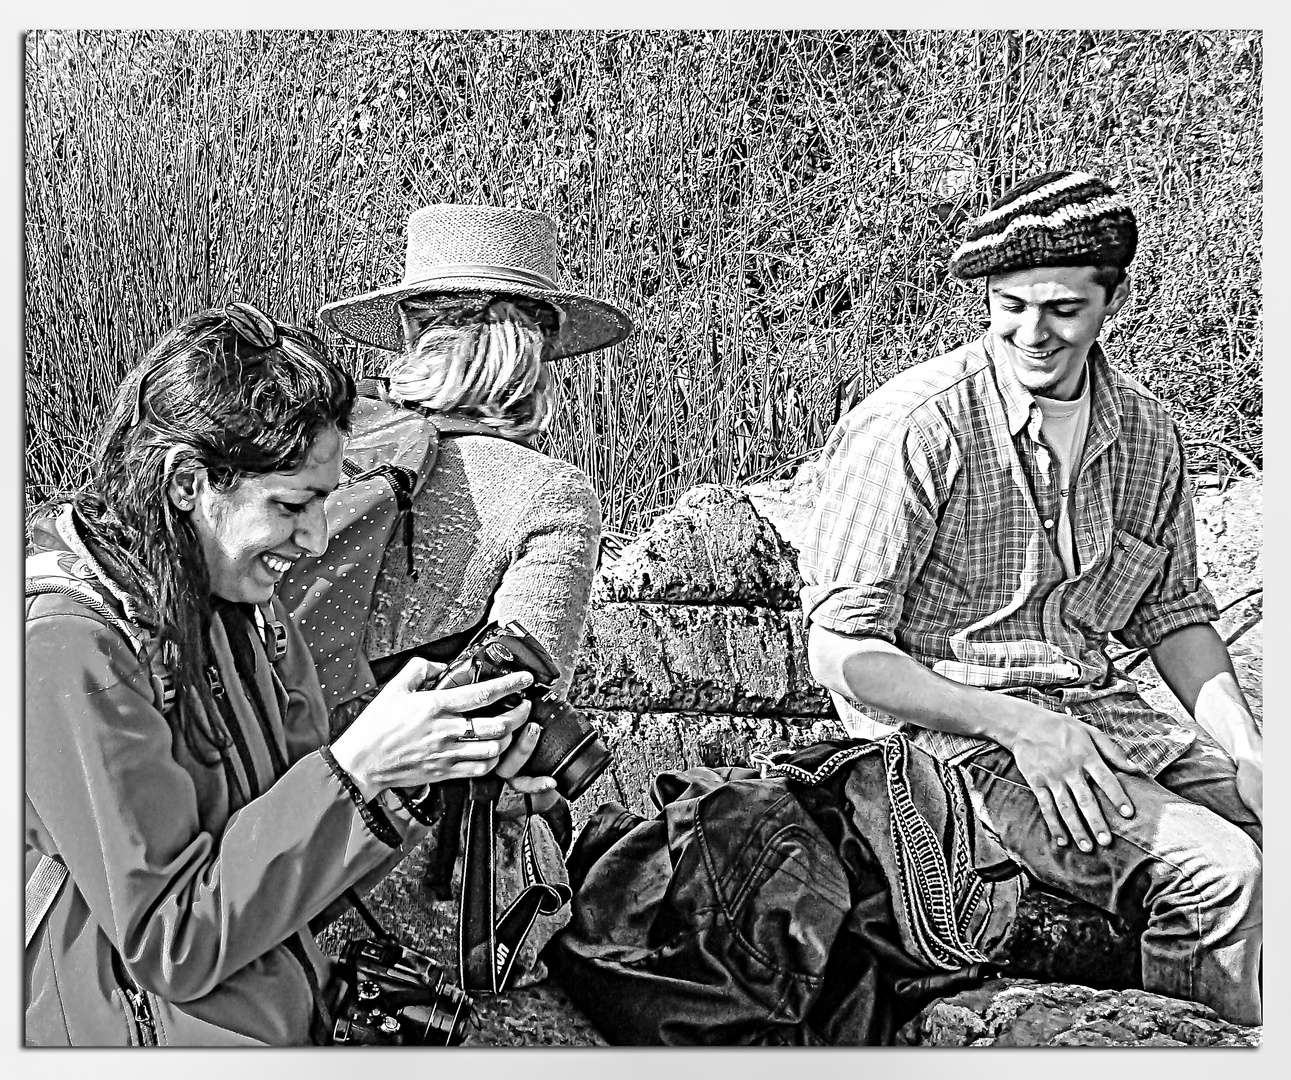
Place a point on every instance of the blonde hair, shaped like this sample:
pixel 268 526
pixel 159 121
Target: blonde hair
pixel 478 357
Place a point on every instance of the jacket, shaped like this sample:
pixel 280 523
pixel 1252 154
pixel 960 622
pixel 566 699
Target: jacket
pixel 821 900
pixel 184 919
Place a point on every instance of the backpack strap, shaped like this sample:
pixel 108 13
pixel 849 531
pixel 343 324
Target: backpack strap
pixel 390 454
pixel 41 891
pixel 64 573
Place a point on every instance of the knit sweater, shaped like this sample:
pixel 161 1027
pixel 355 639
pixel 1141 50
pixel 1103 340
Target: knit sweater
pixel 500 530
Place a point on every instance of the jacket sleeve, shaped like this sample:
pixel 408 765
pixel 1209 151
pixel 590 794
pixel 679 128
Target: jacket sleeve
pixel 184 907
pixel 548 584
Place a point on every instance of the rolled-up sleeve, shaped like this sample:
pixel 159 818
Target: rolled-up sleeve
pixel 1177 597
pixel 872 527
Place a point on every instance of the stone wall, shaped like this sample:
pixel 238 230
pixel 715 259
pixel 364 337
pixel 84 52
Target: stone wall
pixel 695 654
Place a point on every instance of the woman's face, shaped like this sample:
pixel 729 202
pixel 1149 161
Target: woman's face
pixel 252 533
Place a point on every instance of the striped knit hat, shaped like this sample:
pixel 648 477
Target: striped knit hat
pixel 1055 219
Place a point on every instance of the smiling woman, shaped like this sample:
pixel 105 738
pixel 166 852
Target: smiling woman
pixel 185 819
pixel 254 533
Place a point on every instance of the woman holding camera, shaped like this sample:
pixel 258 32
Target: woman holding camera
pixel 177 765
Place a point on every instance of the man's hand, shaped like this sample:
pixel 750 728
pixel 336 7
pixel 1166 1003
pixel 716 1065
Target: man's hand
pixel 1250 784
pixel 1062 759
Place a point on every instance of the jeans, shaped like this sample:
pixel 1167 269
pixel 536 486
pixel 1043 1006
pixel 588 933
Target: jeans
pixel 1191 857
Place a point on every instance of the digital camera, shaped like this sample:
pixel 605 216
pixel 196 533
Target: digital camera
pixel 391 995
pixel 569 750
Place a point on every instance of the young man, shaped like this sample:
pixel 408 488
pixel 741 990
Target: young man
pixel 984 522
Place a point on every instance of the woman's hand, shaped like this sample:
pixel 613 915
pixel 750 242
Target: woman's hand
pixel 540 789
pixel 409 737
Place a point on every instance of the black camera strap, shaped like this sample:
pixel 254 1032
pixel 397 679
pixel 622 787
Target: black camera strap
pixel 487 944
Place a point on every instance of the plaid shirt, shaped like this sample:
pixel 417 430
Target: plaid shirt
pixel 934 528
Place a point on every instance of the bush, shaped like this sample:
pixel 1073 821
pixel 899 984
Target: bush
pixel 777 210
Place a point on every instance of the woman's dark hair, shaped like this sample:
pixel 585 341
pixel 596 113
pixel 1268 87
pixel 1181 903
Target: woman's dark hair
pixel 234 392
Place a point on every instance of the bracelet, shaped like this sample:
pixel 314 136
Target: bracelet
pixel 425 807
pixel 373 816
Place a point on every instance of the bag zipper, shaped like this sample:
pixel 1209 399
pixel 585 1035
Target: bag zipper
pixel 141 1012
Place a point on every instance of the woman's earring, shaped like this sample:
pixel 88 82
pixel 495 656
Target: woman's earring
pixel 185 505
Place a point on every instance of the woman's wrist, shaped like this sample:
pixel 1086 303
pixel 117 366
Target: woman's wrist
pixel 350 758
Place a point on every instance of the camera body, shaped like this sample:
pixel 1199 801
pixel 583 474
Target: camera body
pixel 570 750
pixel 391 995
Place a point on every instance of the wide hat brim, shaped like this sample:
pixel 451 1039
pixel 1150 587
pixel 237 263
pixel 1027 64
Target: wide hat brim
pixel 372 318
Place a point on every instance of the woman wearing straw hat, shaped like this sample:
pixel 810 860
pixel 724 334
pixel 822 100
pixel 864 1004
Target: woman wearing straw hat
pixel 502 530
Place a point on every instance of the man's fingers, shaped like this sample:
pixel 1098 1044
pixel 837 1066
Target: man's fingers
pixel 1049 811
pixel 1091 812
pixel 1114 754
pixel 1071 817
pixel 1106 779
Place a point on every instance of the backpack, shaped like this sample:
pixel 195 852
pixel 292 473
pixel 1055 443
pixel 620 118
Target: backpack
pixel 390 454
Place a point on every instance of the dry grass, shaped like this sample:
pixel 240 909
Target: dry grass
pixel 775 208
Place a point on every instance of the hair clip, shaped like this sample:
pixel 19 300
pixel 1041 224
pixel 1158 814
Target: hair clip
pixel 252 325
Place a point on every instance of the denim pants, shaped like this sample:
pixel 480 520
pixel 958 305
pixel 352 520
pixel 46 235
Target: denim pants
pixel 1191 857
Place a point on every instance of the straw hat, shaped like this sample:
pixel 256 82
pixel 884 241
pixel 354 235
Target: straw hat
pixel 454 248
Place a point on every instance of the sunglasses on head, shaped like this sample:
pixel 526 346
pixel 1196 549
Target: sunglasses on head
pixel 253 333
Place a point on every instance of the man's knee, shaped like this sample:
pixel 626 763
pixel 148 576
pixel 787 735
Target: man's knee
pixel 1224 874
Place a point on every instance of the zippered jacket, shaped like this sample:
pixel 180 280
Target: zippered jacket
pixel 191 885
pixel 821 899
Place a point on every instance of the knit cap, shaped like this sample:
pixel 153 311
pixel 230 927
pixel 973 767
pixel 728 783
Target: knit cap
pixel 1055 219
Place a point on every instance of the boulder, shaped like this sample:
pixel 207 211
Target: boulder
pixel 709 658
pixel 712 547
pixel 1021 1012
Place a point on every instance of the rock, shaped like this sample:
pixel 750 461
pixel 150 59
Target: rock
pixel 712 547
pixel 1230 536
pixel 666 657
pixel 1058 939
pixel 1020 1012
pixel 646 744
pixel 787 505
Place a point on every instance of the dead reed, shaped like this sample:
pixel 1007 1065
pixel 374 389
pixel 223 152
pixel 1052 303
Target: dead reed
pixel 775 208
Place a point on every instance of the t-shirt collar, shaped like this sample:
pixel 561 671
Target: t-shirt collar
pixel 1020 403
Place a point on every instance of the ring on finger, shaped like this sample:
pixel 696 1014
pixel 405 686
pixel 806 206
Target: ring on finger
pixel 470 735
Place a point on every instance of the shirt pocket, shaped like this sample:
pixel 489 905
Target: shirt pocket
pixel 1104 600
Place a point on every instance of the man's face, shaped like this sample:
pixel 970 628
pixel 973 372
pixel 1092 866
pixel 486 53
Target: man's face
pixel 1046 319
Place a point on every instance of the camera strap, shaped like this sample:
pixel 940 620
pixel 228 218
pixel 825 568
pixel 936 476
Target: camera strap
pixel 488 944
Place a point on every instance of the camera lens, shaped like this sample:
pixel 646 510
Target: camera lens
pixel 441 1023
pixel 569 750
